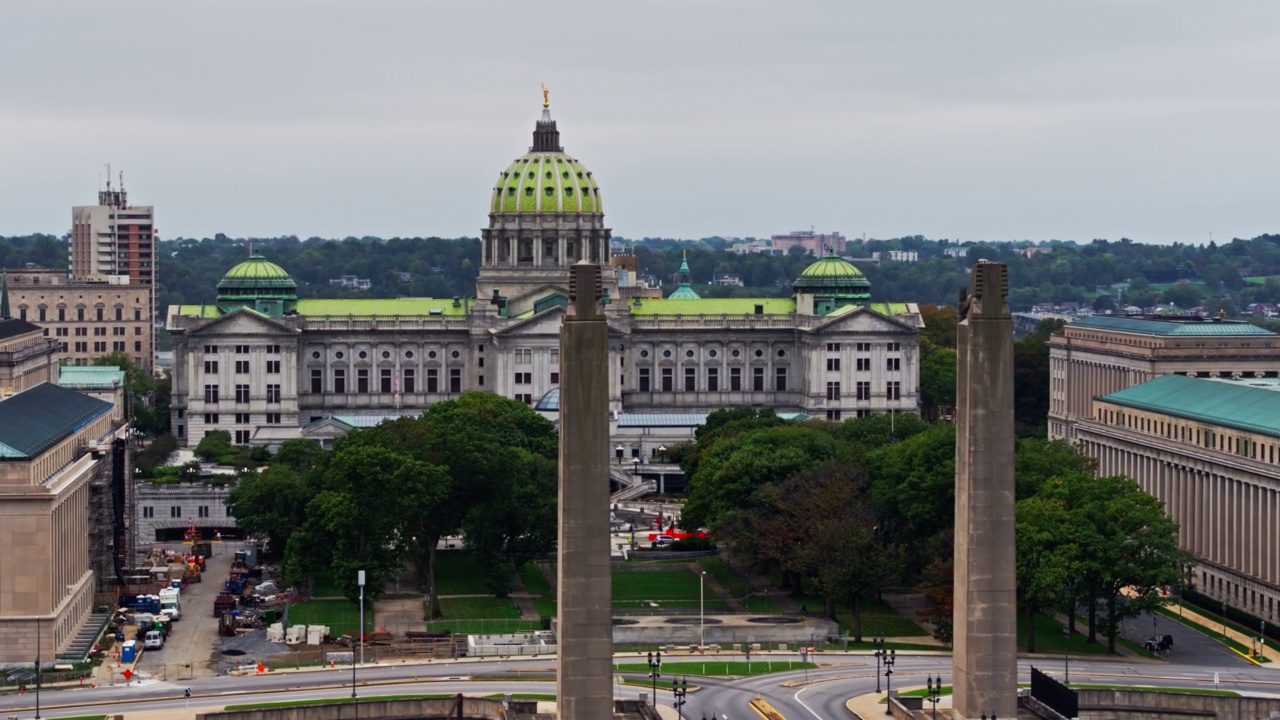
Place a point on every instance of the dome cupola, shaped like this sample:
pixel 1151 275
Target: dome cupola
pixel 259 284
pixel 829 283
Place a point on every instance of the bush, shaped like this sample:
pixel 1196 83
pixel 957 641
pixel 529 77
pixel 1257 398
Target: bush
pixel 214 445
pixel 693 545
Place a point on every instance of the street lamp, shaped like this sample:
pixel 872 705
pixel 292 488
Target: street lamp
pixel 655 663
pixel 186 695
pixel 618 453
pixel 662 452
pixel 1066 659
pixel 37 670
pixel 360 582
pixel 888 680
pixel 678 691
pixel 877 642
pixel 702 609
pixel 935 693
pixel 1224 618
pixel 635 466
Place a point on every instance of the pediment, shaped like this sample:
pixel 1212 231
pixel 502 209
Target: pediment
pixel 546 322
pixel 865 320
pixel 242 321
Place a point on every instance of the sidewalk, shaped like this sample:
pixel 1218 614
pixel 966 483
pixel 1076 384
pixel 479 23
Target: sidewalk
pixel 872 707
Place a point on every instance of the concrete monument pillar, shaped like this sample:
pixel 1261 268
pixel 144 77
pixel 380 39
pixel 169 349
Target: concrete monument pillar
pixel 584 634
pixel 985 663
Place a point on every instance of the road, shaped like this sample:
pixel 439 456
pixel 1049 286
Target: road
pixel 799 695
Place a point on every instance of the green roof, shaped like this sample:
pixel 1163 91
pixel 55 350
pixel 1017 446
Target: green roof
pixel 831 266
pixel 410 307
pixel 713 306
pixel 37 418
pixel 544 181
pixel 90 376
pixel 1230 403
pixel 1168 327
pixel 259 272
pixel 684 292
pixel 200 311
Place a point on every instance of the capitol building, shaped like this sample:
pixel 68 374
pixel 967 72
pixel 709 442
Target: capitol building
pixel 266 366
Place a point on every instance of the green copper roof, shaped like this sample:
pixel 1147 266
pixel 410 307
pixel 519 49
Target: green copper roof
pixel 90 376
pixel 684 292
pixel 260 272
pixel 545 181
pixel 35 419
pixel 1229 403
pixel 394 306
pixel 200 311
pixel 831 266
pixel 1182 327
pixel 713 306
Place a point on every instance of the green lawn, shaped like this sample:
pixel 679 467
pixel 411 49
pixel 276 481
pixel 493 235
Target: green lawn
pixel 538 586
pixel 877 617
pixel 474 608
pixel 658 589
pixel 1049 637
pixel 1213 631
pixel 342 616
pixel 714 667
pixel 737 586
pixel 456 574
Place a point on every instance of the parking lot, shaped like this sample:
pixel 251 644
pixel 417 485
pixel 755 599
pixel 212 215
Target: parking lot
pixel 194 640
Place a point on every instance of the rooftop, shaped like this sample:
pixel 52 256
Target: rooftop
pixel 1170 326
pixel 37 418
pixel 1251 405
pixel 90 376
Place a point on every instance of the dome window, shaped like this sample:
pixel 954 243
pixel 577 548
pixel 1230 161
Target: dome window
pixel 568 191
pixel 565 174
pixel 528 192
pixel 386 354
pixel 550 191
pixel 548 174
pixel 511 192
pixel 644 353
pixel 759 353
pixel 363 354
pixel 579 174
pixel 688 353
pixel 711 353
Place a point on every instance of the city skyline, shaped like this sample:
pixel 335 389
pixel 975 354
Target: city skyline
pixel 994 121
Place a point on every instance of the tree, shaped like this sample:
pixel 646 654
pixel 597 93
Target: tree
pixel 300 454
pixel 938 381
pixel 214 445
pixel 271 504
pixel 940 322
pixel 1183 294
pixel 1046 555
pixel 136 380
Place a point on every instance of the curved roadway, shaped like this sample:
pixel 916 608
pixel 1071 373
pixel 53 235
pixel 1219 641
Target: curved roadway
pixel 818 693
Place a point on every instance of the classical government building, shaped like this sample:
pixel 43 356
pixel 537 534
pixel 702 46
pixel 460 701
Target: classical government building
pixel 1190 409
pixel 262 363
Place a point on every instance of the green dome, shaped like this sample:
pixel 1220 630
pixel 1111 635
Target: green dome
pixel 550 182
pixel 260 284
pixel 831 266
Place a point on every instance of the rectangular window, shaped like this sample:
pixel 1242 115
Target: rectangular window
pixel 555 378
pixel 273 349
pixel 118 345
pixel 713 379
pixel 895 347
pixel 433 380
pixel 340 381
pixel 735 379
pixel 242 393
pixel 833 390
pixel 175 511
pixel 211 349
pixel 98 314
pixel 362 380
pixel 242 437
pixel 384 379
pixel 82 332
pixel 410 380
pixel 41 315
pixel 242 367
pixel 62 314
pixel 525 398
pixel 242 418
pixel 892 364
pixel 211 418
pixel 148 512
pixel 202 511
pixel 62 332
pixel 455 380
pixel 273 393
pixel 864 347
pixel 137 331
pixel 864 364
pixel 211 393
pixel 182 432
pixel 833 415
pixel 833 364
pixel 242 349
pixel 211 366
pixel 757 379
pixel 137 313
pixel 523 378
pixel 137 346
pixel 273 418
pixel 480 362
pixel 864 390
pixel 894 390
pixel 690 379
pixel 644 380
pixel 273 367
pixel 524 356
pixel 780 379
pixel 99 332
pixel 317 380
pixel 668 379
pixel 117 331
pixel 833 347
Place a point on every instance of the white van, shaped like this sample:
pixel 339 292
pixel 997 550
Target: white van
pixel 153 640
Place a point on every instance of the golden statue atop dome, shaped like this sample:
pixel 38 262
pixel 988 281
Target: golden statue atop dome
pixel 546 97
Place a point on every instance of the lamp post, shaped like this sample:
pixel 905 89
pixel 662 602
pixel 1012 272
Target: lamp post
pixel 655 663
pixel 662 452
pixel 678 691
pixel 618 453
pixel 37 670
pixel 1066 659
pixel 888 681
pixel 635 466
pixel 935 693
pixel 1224 618
pixel 360 582
pixel 186 695
pixel 877 642
pixel 702 609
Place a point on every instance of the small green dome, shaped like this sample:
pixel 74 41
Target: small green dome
pixel 831 266
pixel 259 284
pixel 257 271
pixel 546 182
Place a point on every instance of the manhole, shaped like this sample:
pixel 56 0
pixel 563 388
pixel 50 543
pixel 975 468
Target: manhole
pixel 233 652
pixel 775 620
pixel 691 621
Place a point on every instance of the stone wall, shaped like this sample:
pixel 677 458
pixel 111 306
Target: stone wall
pixel 417 709
pixel 1152 705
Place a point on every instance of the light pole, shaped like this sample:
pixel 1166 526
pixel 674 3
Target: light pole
pixel 618 453
pixel 655 663
pixel 877 642
pixel 702 608
pixel 186 695
pixel 635 466
pixel 37 670
pixel 888 681
pixel 1224 618
pixel 678 691
pixel 360 582
pixel 935 693
pixel 662 452
pixel 1066 659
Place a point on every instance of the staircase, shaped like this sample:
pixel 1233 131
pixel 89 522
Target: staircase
pixel 633 486
pixel 82 644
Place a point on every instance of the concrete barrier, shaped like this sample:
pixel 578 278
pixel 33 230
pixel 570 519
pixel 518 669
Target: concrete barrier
pixel 422 708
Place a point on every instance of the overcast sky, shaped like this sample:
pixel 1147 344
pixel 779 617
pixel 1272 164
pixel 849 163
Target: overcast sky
pixel 1158 121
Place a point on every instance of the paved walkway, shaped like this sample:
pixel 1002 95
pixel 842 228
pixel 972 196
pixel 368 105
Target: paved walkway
pixel 1214 625
pixel 523 599
pixel 761 586
pixel 734 604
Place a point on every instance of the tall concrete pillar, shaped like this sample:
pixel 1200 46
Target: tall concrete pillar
pixel 985 662
pixel 584 633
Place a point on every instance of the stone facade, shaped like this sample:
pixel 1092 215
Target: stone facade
pixel 87 319
pixel 165 511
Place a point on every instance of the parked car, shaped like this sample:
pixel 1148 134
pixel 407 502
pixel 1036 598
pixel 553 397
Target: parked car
pixel 154 640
